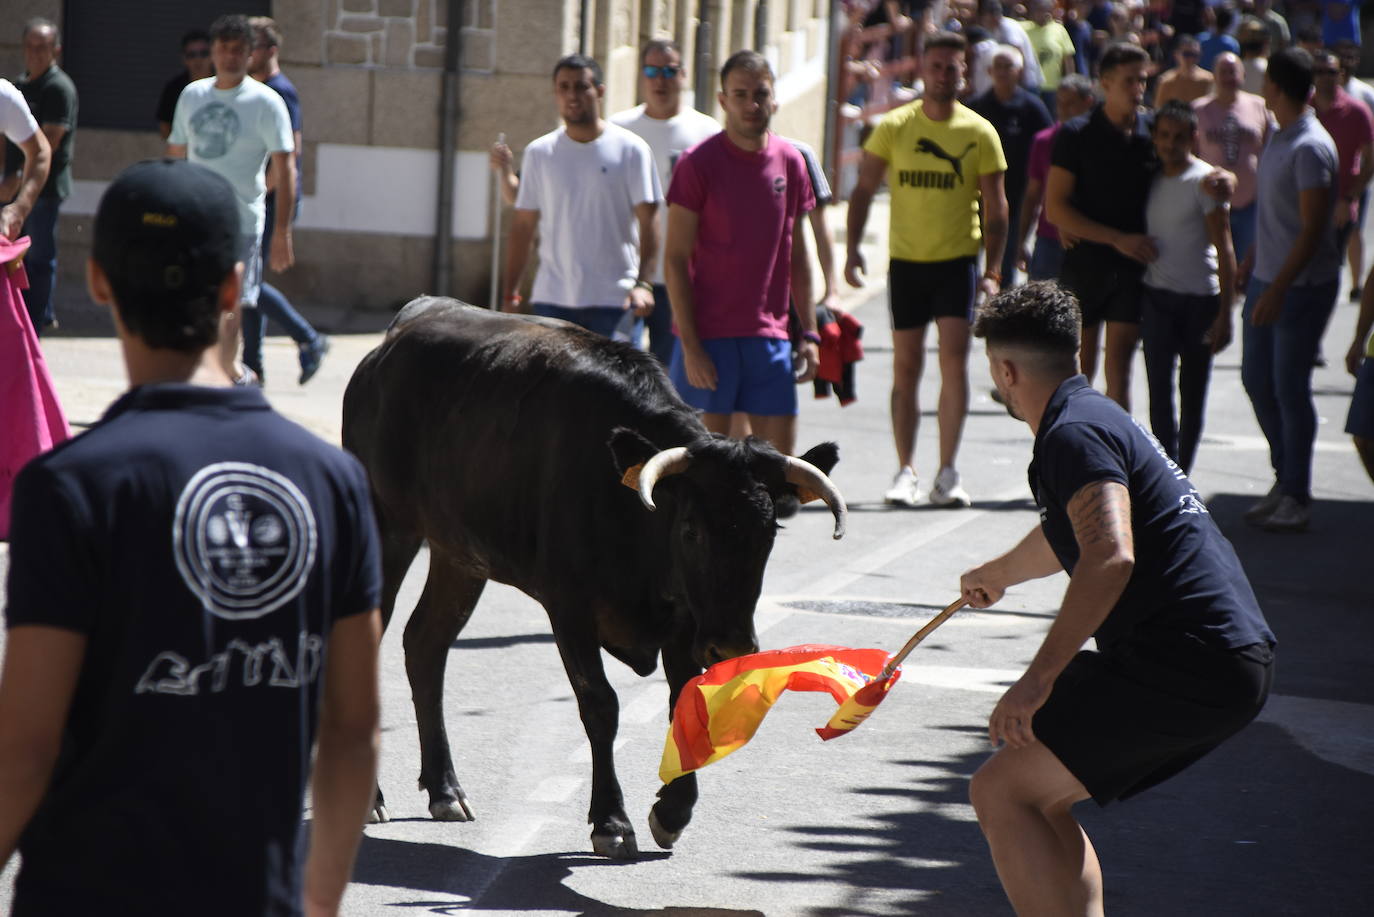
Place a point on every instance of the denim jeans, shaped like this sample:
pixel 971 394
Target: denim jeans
pixel 40 262
pixel 1276 370
pixel 1243 229
pixel 1047 259
pixel 608 321
pixel 1173 328
pixel 271 304
pixel 660 325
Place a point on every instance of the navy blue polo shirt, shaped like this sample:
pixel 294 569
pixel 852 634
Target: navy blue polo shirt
pixel 1112 174
pixel 205 546
pixel 1187 580
pixel 1017 121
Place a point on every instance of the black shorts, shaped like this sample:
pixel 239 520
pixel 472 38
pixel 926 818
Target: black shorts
pixel 1135 715
pixel 1105 293
pixel 918 291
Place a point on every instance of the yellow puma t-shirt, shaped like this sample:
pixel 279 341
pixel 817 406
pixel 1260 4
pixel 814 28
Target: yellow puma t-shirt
pixel 933 169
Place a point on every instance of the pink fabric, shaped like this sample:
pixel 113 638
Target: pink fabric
pixel 1232 137
pixel 31 419
pixel 1038 169
pixel 745 203
pixel 1351 126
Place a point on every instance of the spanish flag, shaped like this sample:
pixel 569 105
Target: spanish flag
pixel 721 709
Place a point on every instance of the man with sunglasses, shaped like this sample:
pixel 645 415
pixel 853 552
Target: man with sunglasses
pixel 670 128
pixel 195 56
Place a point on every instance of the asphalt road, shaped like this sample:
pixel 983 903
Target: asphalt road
pixel 1278 821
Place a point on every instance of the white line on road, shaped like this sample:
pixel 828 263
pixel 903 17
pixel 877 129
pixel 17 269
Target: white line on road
pixel 876 560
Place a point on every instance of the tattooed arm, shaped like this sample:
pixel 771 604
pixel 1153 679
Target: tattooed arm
pixel 1101 517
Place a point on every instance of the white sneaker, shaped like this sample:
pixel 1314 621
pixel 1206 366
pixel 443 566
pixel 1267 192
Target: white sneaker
pixel 1288 516
pixel 1261 511
pixel 903 489
pixel 947 490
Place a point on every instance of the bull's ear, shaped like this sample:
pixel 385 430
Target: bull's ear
pixel 825 457
pixel 630 451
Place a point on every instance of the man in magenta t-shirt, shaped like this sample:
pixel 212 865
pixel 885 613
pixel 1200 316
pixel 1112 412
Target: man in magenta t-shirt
pixel 1351 127
pixel 734 207
pixel 1074 97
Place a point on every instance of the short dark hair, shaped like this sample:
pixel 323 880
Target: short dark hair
pixel 1291 72
pixel 194 35
pixel 748 61
pixel 579 62
pixel 952 40
pixel 1180 111
pixel 233 27
pixel 38 22
pixel 266 27
pixel 661 45
pixel 1120 54
pixel 1310 33
pixel 1042 317
pixel 1224 18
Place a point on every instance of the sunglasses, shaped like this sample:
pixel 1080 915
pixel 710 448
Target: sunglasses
pixel 654 73
pixel 195 54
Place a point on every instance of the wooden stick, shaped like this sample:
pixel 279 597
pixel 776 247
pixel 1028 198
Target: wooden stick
pixel 920 635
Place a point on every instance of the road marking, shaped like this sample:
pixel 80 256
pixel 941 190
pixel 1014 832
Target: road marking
pixel 555 789
pixel 990 681
pixel 876 560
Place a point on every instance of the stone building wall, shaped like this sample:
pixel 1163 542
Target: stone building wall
pixel 370 77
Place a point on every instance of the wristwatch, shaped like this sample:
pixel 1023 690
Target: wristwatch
pixel 644 285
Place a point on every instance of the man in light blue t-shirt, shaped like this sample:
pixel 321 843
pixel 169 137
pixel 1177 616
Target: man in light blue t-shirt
pixel 1296 266
pixel 232 124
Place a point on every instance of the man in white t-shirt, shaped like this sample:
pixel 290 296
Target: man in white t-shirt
pixel 670 129
pixel 232 124
pixel 19 191
pixel 1189 286
pixel 591 189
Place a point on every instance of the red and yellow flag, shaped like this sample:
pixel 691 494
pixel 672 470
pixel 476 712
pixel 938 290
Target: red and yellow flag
pixel 721 709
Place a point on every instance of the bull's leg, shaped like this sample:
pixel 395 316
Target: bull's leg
pixel 398 550
pixel 612 834
pixel 445 605
pixel 673 810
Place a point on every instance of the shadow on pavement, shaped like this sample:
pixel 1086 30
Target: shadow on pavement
pixel 485 883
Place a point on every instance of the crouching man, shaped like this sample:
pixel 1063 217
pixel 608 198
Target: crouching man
pixel 1184 656
pixel 192 609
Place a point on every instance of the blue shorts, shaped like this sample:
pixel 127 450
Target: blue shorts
pixel 753 375
pixel 1360 421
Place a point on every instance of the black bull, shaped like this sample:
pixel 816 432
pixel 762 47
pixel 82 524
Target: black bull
pixel 512 446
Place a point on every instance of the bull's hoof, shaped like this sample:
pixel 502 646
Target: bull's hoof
pixel 378 815
pixel 450 810
pixel 616 846
pixel 662 836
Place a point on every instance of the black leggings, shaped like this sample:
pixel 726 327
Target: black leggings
pixel 1173 329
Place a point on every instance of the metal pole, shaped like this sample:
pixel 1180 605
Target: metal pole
pixel 448 142
pixel 761 26
pixel 583 11
pixel 705 77
pixel 829 158
pixel 498 184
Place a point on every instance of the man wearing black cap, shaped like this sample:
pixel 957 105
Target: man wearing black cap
pixel 192 608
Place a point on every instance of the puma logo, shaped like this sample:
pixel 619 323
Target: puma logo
pixel 932 148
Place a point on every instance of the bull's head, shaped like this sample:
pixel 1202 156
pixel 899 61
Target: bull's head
pixel 720 501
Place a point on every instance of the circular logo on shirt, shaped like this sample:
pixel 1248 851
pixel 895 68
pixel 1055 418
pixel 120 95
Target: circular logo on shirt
pixel 244 538
pixel 214 128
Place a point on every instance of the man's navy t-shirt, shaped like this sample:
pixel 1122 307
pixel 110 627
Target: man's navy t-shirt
pixel 1187 580
pixel 205 546
pixel 1017 121
pixel 1112 173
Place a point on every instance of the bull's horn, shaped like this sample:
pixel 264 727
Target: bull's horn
pixel 808 477
pixel 669 461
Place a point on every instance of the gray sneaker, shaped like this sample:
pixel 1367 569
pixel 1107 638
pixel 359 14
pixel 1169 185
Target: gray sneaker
pixel 1261 511
pixel 1289 516
pixel 903 490
pixel 948 491
pixel 312 355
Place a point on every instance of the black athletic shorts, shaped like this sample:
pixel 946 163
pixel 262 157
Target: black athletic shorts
pixel 1135 715
pixel 1105 293
pixel 919 291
